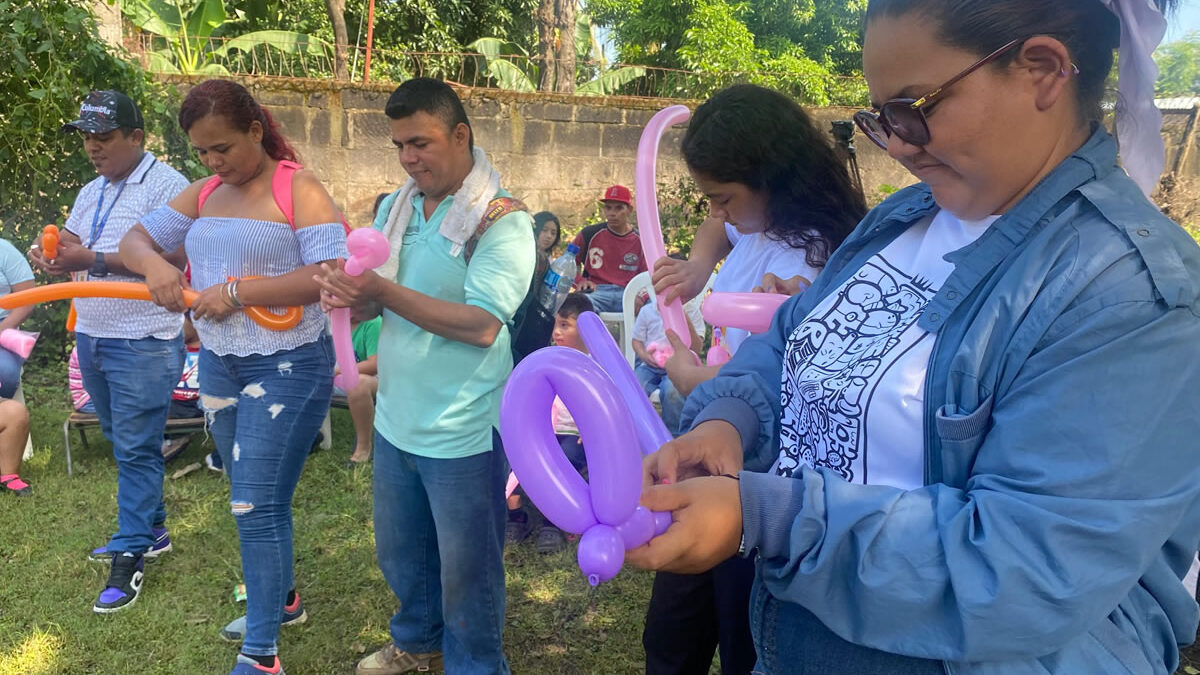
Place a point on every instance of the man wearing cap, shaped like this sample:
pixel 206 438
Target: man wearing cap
pixel 610 252
pixel 130 351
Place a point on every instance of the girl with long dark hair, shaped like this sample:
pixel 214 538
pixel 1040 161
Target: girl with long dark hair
pixel 780 201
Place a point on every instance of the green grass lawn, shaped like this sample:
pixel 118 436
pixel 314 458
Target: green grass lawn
pixel 555 624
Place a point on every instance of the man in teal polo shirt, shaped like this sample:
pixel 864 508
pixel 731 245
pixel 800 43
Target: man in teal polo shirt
pixel 448 294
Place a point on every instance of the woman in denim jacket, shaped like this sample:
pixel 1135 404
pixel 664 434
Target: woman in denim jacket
pixel 973 445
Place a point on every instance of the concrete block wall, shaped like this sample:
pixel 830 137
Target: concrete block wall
pixel 557 153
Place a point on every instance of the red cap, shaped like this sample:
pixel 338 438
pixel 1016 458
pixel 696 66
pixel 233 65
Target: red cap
pixel 618 193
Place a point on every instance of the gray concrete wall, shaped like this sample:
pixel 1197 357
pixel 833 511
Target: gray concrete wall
pixel 557 153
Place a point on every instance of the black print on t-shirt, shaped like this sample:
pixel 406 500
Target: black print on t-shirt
pixel 833 363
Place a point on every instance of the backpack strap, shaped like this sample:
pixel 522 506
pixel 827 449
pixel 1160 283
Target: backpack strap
pixel 497 209
pixel 281 189
pixel 212 184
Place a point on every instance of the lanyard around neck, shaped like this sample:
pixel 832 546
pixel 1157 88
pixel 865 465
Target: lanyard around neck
pixel 98 221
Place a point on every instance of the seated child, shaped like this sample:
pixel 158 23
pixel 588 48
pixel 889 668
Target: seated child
pixel 79 396
pixel 647 330
pixel 14 429
pixel 365 323
pixel 566 334
pixel 185 400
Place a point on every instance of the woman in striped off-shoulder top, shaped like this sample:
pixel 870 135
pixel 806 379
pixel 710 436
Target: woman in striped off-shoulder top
pixel 265 392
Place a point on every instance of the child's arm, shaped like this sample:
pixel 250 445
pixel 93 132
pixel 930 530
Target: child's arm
pixel 639 348
pixel 369 365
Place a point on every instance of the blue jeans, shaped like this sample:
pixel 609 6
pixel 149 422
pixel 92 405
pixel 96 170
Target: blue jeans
pixel 790 640
pixel 130 382
pixel 670 400
pixel 10 372
pixel 607 298
pixel 264 413
pixel 573 449
pixel 439 536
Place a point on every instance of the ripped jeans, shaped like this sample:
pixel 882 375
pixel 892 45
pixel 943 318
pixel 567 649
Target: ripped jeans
pixel 264 413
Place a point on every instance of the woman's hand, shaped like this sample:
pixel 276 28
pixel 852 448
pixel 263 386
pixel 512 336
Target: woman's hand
pixel 586 286
pixel 706 527
pixel 711 449
pixel 680 279
pixel 773 284
pixel 166 283
pixel 213 304
pixel 339 289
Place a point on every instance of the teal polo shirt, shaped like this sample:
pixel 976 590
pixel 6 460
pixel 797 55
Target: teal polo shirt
pixel 437 397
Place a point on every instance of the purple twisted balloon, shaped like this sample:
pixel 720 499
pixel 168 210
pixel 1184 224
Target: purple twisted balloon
pixel 606 511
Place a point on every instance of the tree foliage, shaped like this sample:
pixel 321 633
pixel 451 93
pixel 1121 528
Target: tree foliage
pixel 53 57
pixel 808 48
pixel 184 29
pixel 1179 67
pixel 510 68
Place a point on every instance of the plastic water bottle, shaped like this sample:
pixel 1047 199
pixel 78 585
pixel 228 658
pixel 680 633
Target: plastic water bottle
pixel 556 285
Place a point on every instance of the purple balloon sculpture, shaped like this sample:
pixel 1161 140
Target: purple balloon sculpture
pixel 606 511
pixel 651 431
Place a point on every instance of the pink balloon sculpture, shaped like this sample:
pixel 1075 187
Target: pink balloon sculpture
pixel 368 249
pixel 647 207
pixel 605 511
pixel 18 342
pixel 661 351
pixel 752 312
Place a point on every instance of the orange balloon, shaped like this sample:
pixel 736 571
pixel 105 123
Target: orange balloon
pixel 71 317
pixel 50 242
pixel 268 319
pixel 134 291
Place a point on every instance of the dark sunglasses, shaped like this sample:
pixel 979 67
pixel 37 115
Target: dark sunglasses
pixel 905 117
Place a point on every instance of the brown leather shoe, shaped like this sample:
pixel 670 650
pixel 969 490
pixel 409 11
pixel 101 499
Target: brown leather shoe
pixel 391 660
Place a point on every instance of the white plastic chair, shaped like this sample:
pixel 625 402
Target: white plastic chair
pixel 642 281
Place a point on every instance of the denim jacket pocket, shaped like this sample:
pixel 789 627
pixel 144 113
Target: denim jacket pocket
pixel 961 433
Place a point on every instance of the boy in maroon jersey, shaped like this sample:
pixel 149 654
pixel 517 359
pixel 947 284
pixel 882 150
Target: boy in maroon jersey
pixel 610 252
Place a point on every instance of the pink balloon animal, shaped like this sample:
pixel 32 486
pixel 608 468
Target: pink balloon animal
pixel 647 209
pixel 752 312
pixel 368 249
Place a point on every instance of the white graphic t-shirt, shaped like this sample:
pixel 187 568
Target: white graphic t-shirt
pixel 854 370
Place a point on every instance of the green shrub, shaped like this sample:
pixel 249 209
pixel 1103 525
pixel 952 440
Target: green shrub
pixel 53 57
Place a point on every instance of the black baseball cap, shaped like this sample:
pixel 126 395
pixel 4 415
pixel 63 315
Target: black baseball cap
pixel 104 111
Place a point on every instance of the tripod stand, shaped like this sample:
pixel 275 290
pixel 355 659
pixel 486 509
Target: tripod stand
pixel 843 133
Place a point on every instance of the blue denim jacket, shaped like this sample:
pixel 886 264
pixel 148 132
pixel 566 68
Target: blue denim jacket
pixel 1062 445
